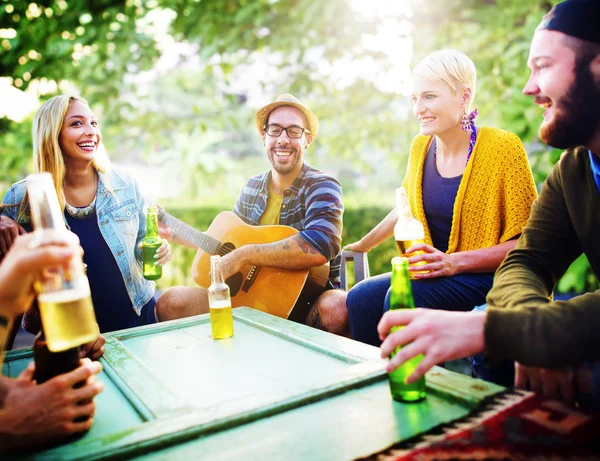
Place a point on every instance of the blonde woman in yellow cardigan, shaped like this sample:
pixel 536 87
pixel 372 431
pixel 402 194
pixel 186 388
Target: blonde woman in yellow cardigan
pixel 471 187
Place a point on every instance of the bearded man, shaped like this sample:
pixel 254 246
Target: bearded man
pixel 291 193
pixel 553 342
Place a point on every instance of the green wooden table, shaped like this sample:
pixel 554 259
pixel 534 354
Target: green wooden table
pixel 275 390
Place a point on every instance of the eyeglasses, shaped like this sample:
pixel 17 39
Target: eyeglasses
pixel 292 131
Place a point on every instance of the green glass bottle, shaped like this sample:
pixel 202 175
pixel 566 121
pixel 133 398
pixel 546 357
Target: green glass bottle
pixel 401 298
pixel 150 244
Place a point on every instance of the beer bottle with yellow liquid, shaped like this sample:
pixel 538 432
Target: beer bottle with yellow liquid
pixel 401 298
pixel 219 302
pixel 408 230
pixel 64 296
pixel 150 244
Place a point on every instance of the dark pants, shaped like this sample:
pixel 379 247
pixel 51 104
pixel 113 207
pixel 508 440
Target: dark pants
pixel 368 300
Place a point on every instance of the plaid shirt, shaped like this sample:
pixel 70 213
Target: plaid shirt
pixel 313 205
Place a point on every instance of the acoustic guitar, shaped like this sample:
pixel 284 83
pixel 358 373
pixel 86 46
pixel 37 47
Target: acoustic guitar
pixel 286 293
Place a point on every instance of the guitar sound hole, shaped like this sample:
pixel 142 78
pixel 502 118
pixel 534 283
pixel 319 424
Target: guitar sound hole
pixel 225 248
pixel 235 283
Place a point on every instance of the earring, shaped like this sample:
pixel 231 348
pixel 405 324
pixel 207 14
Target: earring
pixel 465 122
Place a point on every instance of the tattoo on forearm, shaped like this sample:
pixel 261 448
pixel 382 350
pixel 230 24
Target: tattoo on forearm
pixel 304 246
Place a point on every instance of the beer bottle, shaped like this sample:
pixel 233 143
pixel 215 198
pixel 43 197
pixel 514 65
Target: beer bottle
pixel 408 230
pixel 150 244
pixel 64 296
pixel 219 302
pixel 50 364
pixel 401 298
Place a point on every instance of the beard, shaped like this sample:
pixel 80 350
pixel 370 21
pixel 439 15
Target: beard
pixel 577 113
pixel 287 168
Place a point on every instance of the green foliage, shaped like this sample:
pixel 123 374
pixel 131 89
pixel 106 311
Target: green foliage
pixel 191 118
pixel 77 40
pixel 15 151
pixel 579 278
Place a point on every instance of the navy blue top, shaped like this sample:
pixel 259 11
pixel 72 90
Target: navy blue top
pixel 113 308
pixel 439 194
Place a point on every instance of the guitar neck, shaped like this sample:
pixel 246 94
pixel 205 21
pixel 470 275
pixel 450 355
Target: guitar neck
pixel 187 232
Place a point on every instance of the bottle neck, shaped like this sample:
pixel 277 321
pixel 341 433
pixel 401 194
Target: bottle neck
pixel 152 223
pixel 402 205
pixel 401 292
pixel 46 213
pixel 216 274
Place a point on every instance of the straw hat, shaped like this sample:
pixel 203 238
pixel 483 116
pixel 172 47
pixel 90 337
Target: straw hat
pixel 287 100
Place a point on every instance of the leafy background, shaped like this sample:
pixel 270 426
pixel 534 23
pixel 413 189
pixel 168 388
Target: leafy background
pixel 176 83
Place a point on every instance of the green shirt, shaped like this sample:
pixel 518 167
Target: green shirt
pixel 523 323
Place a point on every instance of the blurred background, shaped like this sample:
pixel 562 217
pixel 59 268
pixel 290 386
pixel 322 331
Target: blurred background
pixel 176 83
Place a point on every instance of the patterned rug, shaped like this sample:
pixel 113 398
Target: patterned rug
pixel 512 425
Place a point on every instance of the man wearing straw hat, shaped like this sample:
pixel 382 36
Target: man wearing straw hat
pixel 291 193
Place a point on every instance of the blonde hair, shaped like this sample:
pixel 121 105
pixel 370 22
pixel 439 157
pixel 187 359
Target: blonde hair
pixel 47 154
pixel 451 67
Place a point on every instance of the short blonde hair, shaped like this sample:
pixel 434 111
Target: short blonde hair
pixel 47 154
pixel 451 67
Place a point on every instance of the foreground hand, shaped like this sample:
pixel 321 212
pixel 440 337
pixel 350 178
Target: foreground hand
pixel 357 246
pixel 551 383
pixel 163 255
pixel 36 414
pixel 438 335
pixel 9 231
pixel 94 349
pixel 22 266
pixel 439 264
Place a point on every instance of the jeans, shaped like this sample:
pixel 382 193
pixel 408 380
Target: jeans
pixel 368 300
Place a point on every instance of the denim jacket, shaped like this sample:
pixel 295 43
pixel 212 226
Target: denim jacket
pixel 122 223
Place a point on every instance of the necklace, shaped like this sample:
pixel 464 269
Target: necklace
pixel 82 212
pixel 471 145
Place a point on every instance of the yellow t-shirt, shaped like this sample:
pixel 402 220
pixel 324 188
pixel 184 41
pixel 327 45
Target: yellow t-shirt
pixel 271 214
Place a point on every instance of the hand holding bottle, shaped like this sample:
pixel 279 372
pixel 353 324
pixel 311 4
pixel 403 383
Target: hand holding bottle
pixel 66 410
pixel 163 254
pixel 156 251
pixel 429 262
pixel 22 266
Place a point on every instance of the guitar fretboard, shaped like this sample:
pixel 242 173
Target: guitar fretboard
pixel 187 232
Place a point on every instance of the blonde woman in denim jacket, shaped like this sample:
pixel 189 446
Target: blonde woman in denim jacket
pixel 103 206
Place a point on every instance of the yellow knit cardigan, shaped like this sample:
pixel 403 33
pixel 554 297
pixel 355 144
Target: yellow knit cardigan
pixel 495 194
